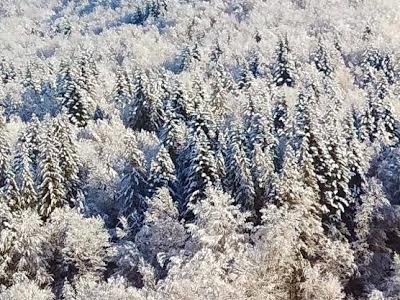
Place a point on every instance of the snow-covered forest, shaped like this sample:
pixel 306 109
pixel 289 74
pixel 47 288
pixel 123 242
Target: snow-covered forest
pixel 199 150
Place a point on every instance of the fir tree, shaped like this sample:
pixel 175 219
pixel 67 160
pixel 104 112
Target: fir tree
pixel 134 190
pixel 238 175
pixel 122 91
pixel 11 193
pixel 25 178
pixel 7 71
pixel 145 110
pixel 51 189
pixel 73 98
pixel 68 159
pixel 5 153
pixel 322 60
pixel 284 70
pixel 200 170
pixel 162 173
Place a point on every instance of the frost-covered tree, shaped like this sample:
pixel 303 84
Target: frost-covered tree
pixel 145 109
pixel 162 235
pixel 162 173
pixel 134 189
pixel 27 290
pixel 25 178
pixel 238 173
pixel 200 169
pixel 68 161
pixel 5 153
pixel 51 189
pixel 284 70
pixel 122 91
pixel 73 98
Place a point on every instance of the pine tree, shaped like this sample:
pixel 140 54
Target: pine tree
pixel 238 175
pixel 11 193
pixel 257 125
pixel 87 73
pixel 25 178
pixel 172 133
pixel 73 98
pixel 221 84
pixel 378 122
pixel 284 70
pixel 134 190
pixel 291 188
pixel 31 97
pixel 280 117
pixel 7 71
pixel 5 152
pixel 31 138
pixel 264 177
pixel 68 159
pixel 145 110
pixel 51 189
pixel 322 60
pixel 189 55
pixel 199 167
pixel 122 91
pixel 162 173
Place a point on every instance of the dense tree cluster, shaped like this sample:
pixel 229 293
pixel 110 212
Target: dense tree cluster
pixel 199 150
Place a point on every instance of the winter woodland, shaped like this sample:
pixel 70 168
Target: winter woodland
pixel 199 150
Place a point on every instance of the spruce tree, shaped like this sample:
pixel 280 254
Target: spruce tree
pixel 145 109
pixel 74 99
pixel 284 70
pixel 11 193
pixel 238 174
pixel 162 173
pixel 25 178
pixel 134 190
pixel 51 188
pixel 322 60
pixel 199 167
pixel 122 91
pixel 7 71
pixel 264 177
pixel 5 152
pixel 68 159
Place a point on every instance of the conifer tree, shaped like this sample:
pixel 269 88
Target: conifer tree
pixel 122 91
pixel 11 193
pixel 134 190
pixel 257 125
pixel 145 110
pixel 291 187
pixel 87 72
pixel 5 152
pixel 264 177
pixel 280 117
pixel 7 71
pixel 238 174
pixel 378 121
pixel 173 131
pixel 68 159
pixel 73 98
pixel 51 189
pixel 25 178
pixel 162 173
pixel 284 70
pixel 322 60
pixel 200 170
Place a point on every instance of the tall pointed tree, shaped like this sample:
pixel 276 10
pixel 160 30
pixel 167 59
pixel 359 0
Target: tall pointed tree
pixel 51 182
